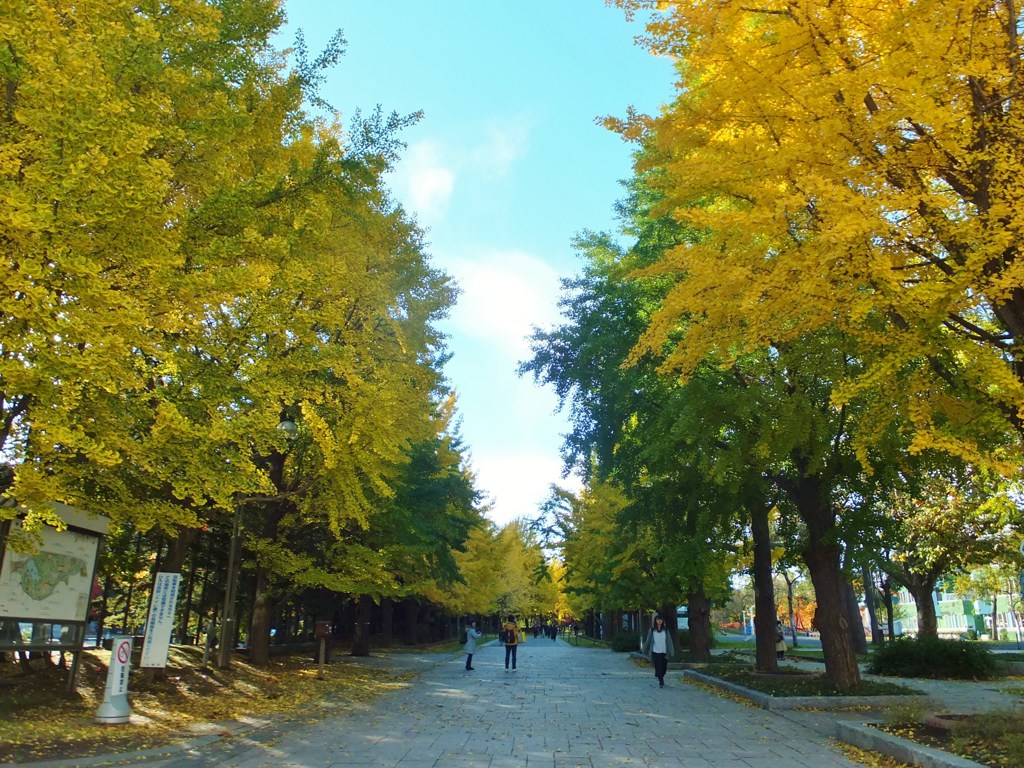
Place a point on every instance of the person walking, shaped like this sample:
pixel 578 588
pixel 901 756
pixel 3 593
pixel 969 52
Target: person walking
pixel 780 641
pixel 658 647
pixel 510 636
pixel 472 635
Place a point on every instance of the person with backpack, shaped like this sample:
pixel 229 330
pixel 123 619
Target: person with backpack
pixel 472 635
pixel 510 636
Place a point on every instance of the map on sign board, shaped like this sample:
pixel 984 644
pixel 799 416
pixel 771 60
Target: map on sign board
pixel 53 583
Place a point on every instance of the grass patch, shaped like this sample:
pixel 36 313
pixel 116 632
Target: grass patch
pixel 734 641
pixel 728 658
pixel 40 720
pixel 580 641
pixel 995 739
pixel 793 682
pixel 443 646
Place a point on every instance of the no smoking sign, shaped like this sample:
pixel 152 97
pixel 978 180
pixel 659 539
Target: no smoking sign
pixel 124 651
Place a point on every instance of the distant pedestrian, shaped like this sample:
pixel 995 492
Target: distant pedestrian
pixel 780 641
pixel 472 635
pixel 554 631
pixel 510 636
pixel 658 647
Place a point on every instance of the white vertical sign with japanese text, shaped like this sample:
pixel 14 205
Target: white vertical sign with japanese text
pixel 161 620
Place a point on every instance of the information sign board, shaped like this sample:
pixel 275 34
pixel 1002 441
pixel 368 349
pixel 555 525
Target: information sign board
pixel 161 620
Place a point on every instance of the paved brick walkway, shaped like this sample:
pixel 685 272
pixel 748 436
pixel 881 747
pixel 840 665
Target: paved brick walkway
pixel 564 707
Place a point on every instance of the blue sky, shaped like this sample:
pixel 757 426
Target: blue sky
pixel 505 167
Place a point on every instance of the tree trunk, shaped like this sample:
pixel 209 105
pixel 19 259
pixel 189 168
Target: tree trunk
pixel 361 638
pixel 178 549
pixel 699 620
pixel 765 612
pixel 387 620
pixel 411 613
pixel 259 628
pixel 887 602
pixel 995 614
pixel 127 628
pixel 867 576
pixel 201 616
pixel 927 623
pixel 789 605
pixel 102 618
pixel 822 559
pixel 853 617
pixel 830 621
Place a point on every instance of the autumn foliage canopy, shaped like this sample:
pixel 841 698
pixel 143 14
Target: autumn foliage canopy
pixel 852 165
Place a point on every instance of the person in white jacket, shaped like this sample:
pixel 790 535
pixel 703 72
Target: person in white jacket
pixel 658 647
pixel 472 635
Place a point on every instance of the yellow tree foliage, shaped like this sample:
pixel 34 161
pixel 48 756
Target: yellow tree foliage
pixel 853 165
pixel 189 260
pixel 338 339
pixel 555 593
pixel 481 585
pixel 121 122
pixel 519 558
pixel 600 570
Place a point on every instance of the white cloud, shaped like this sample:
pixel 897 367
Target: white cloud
pixel 519 483
pixel 504 294
pixel 424 181
pixel 505 143
pixel 425 177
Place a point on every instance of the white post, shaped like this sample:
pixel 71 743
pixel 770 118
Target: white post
pixel 115 708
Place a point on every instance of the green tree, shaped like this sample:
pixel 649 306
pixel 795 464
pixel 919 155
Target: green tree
pixel 948 519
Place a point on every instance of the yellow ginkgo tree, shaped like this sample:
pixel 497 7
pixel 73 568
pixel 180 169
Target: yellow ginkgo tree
pixel 852 171
pixel 853 165
pixel 121 140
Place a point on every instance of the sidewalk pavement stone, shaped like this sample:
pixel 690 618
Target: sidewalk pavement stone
pixel 563 708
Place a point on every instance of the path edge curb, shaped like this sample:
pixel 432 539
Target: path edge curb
pixel 769 702
pixel 865 736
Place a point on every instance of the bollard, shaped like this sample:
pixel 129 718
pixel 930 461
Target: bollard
pixel 115 708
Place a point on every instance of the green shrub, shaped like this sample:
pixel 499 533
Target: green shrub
pixel 933 658
pixel 684 639
pixel 624 642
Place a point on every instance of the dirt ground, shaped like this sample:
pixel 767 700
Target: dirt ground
pixel 40 720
